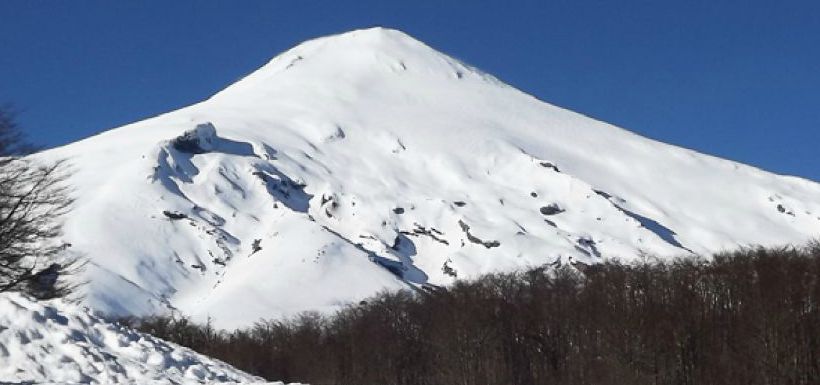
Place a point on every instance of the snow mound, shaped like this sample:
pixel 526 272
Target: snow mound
pixel 60 343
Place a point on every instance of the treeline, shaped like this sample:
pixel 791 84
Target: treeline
pixel 747 317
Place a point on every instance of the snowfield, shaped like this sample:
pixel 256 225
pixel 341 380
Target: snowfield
pixel 57 343
pixel 368 161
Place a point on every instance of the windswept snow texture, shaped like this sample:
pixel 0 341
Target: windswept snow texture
pixel 368 161
pixel 58 343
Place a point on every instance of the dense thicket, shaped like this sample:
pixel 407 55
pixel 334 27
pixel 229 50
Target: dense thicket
pixel 748 317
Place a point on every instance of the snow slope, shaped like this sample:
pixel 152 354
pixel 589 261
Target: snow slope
pixel 59 343
pixel 368 160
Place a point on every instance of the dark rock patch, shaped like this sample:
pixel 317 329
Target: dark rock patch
pixel 550 166
pixel 256 246
pixel 551 209
pixel 201 268
pixel 603 194
pixel 174 215
pixel 294 61
pixel 401 147
pixel 588 247
pixel 420 230
pixel 339 134
pixel 782 209
pixel 449 270
pixel 197 141
pixel 472 238
pixel 326 199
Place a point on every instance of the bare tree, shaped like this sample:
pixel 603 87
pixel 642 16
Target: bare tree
pixel 12 140
pixel 33 198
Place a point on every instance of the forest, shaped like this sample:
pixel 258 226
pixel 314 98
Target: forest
pixel 745 317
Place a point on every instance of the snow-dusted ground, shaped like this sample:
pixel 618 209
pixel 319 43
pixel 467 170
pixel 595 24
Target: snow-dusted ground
pixel 54 342
pixel 368 160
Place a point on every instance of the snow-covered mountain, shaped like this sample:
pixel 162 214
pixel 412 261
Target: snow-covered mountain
pixel 59 343
pixel 368 160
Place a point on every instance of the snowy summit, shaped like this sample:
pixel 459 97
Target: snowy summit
pixel 368 160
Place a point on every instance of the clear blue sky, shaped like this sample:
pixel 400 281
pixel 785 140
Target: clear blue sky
pixel 740 80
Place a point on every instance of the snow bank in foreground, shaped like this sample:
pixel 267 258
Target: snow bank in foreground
pixel 56 342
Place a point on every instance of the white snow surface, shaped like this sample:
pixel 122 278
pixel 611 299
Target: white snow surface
pixel 59 343
pixel 368 161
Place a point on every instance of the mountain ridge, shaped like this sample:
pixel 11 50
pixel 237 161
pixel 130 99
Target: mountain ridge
pixel 369 161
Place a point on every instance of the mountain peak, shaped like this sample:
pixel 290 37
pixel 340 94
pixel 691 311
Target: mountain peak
pixel 372 55
pixel 377 33
pixel 373 39
pixel 368 160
